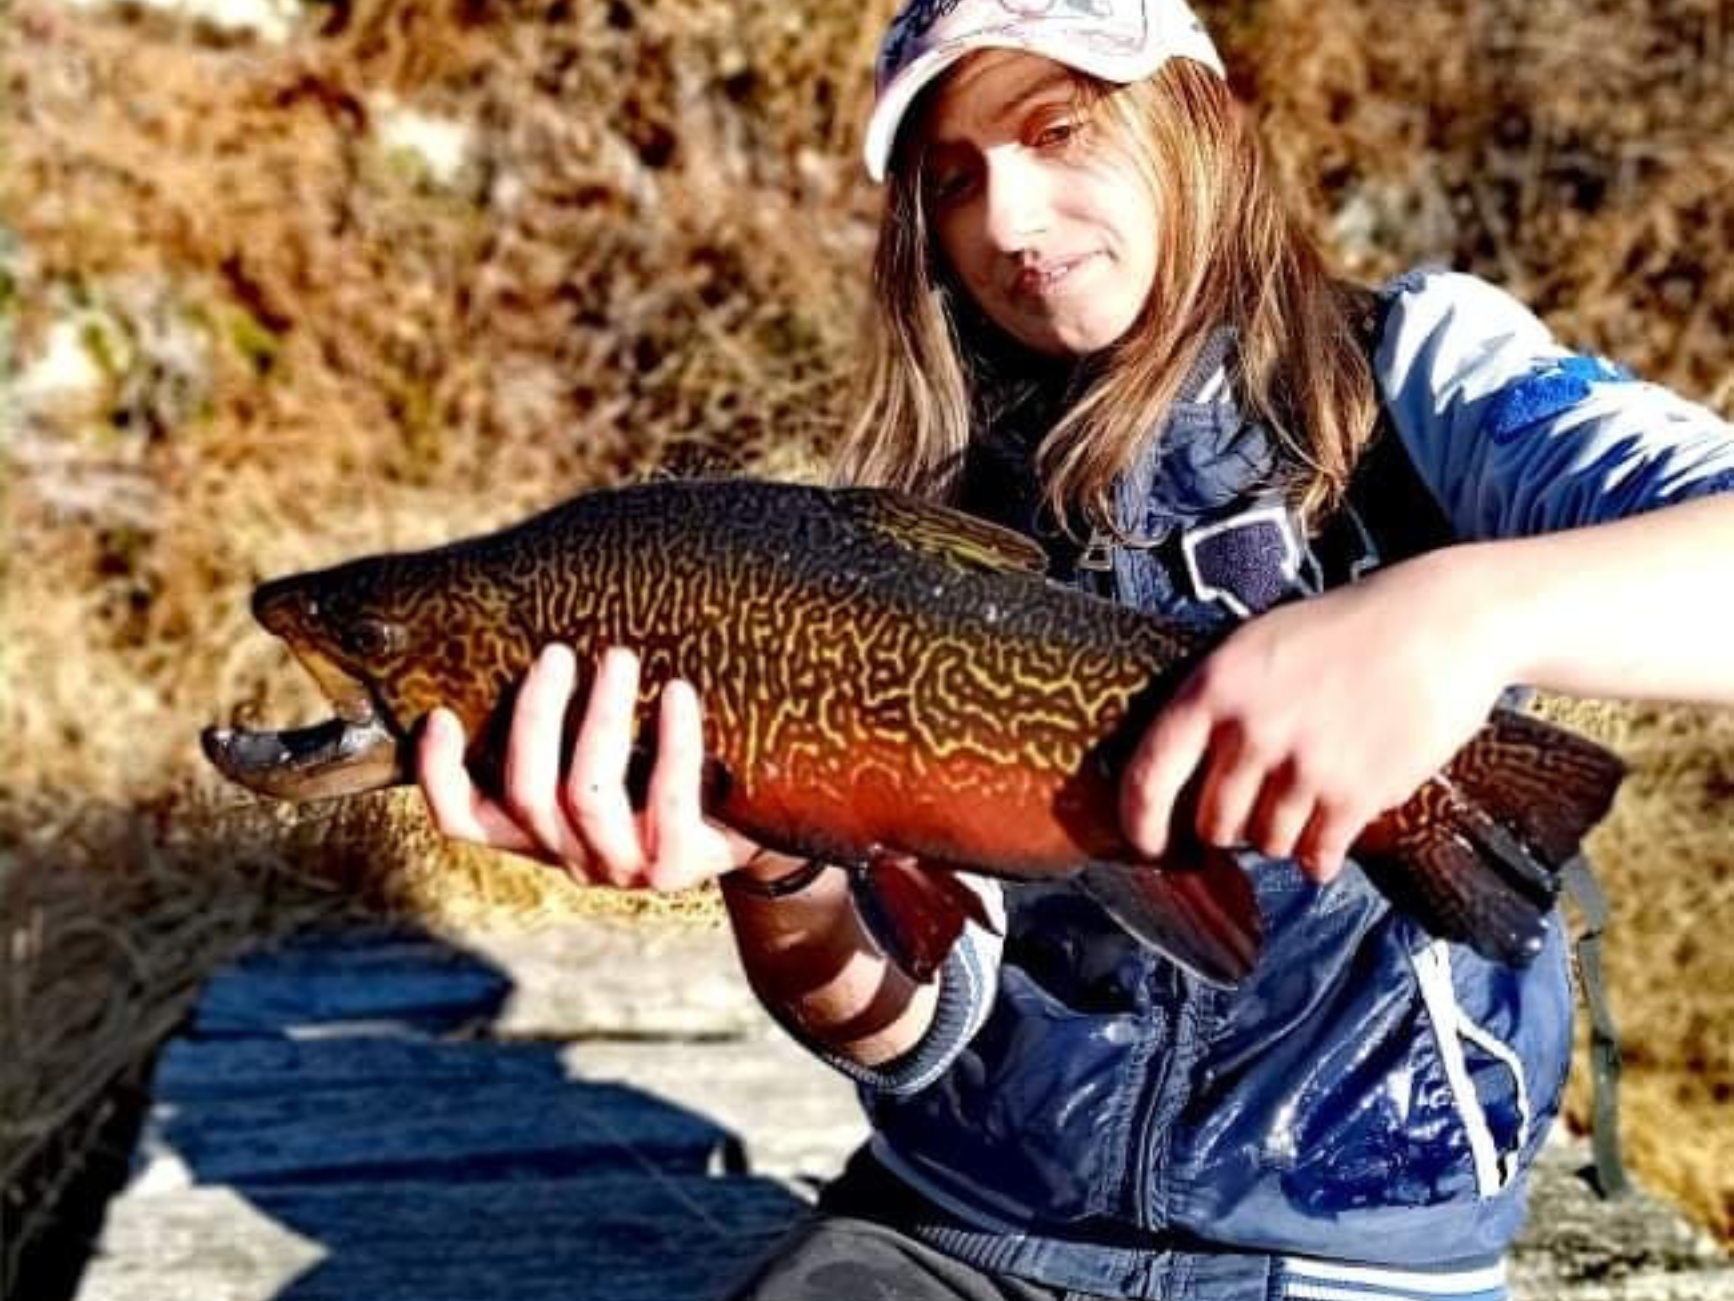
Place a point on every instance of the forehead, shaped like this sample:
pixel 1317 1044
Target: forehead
pixel 989 88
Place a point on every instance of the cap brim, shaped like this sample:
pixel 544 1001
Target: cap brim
pixel 894 101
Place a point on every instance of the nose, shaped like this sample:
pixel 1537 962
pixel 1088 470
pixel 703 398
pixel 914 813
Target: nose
pixel 1018 204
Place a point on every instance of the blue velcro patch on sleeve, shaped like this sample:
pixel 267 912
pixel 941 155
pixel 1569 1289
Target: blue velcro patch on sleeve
pixel 1546 393
pixel 1722 481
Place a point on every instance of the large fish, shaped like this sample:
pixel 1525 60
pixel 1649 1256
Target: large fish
pixel 886 681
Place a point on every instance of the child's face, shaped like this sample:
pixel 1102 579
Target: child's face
pixel 1045 220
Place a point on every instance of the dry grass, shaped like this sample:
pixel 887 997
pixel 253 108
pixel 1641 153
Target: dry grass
pixel 1666 859
pixel 311 345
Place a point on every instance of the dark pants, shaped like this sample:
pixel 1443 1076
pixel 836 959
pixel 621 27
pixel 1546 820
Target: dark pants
pixel 830 1257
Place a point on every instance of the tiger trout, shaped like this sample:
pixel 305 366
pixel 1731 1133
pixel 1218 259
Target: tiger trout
pixel 890 685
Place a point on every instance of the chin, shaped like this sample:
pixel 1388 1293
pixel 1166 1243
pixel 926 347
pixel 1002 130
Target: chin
pixel 1082 342
pixel 1070 336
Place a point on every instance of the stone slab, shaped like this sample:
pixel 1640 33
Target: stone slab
pixel 796 1119
pixel 394 981
pixel 613 980
pixel 480 1128
pixel 617 1238
pixel 586 1110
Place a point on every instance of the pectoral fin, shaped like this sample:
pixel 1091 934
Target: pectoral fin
pixel 919 911
pixel 1203 915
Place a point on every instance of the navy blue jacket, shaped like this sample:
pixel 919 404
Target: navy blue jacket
pixel 1356 1119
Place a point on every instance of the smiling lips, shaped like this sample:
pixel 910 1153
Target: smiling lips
pixel 1038 279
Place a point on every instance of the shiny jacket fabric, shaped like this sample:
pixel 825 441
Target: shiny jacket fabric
pixel 1085 1114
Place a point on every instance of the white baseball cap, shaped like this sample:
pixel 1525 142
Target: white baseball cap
pixel 1117 40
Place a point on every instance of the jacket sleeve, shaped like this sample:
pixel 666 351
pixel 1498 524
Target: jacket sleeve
pixel 968 981
pixel 1516 434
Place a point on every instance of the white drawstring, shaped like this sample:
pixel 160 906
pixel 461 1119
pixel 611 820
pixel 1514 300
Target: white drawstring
pixel 1493 1169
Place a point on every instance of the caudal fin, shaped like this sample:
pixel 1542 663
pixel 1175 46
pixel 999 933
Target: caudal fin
pixel 1476 855
pixel 1202 915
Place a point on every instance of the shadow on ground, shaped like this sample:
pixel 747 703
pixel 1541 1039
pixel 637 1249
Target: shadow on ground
pixel 338 1121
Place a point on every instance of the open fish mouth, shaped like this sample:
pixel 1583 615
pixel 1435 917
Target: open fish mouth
pixel 353 752
pixel 323 761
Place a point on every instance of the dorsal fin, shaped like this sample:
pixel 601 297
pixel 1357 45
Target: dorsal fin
pixel 942 532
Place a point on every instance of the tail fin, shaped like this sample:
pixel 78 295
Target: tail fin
pixel 1476 855
pixel 1204 916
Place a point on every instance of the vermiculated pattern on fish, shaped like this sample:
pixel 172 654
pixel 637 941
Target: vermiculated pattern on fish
pixel 882 678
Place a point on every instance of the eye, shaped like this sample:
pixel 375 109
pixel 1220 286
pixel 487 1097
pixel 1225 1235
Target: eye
pixel 948 174
pixel 948 186
pixel 371 637
pixel 1056 134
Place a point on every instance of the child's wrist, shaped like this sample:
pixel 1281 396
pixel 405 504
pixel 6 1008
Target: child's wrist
pixel 1477 605
pixel 774 876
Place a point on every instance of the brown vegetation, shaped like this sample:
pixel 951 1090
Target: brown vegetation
pixel 309 343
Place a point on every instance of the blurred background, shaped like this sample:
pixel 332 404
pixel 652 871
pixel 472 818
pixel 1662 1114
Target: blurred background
pixel 282 281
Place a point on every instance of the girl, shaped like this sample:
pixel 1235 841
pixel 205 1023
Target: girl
pixel 1098 323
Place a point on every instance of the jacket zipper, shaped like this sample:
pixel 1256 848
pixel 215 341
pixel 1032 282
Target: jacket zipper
pixel 1153 1121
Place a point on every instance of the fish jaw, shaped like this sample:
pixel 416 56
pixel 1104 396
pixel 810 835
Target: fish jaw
pixel 361 749
pixel 325 761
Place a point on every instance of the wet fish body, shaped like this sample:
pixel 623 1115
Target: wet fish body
pixel 883 679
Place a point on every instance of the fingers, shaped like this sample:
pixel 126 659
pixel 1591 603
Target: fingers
pixel 1242 797
pixel 1235 778
pixel 1166 758
pixel 595 797
pixel 683 847
pixel 1281 814
pixel 1247 793
pixel 457 808
pixel 582 821
pixel 579 814
pixel 533 753
pixel 1324 845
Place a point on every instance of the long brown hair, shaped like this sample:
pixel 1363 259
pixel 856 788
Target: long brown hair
pixel 1232 253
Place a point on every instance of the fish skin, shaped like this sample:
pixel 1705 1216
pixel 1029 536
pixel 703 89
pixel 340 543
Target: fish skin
pixel 883 678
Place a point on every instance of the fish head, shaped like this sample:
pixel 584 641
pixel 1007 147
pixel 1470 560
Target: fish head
pixel 362 631
pixel 350 627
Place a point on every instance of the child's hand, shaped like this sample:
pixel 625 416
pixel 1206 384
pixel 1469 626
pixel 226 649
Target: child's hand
pixel 577 814
pixel 1311 720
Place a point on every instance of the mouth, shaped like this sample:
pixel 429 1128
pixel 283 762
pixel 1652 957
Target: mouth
pixel 358 750
pixel 1041 279
pixel 324 761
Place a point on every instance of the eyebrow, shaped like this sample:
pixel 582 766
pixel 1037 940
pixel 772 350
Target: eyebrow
pixel 1011 108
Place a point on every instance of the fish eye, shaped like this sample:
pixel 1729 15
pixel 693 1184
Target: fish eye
pixel 370 637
